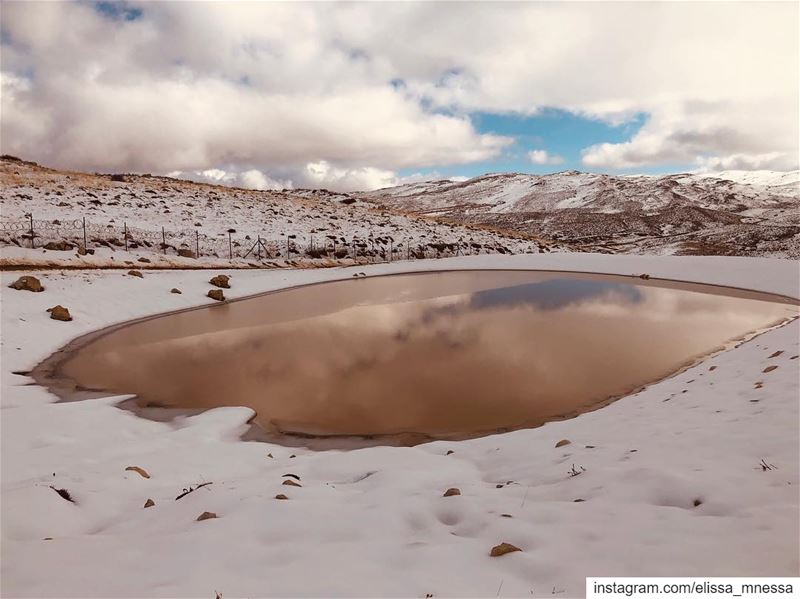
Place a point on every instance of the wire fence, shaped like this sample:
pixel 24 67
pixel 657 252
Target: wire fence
pixel 85 235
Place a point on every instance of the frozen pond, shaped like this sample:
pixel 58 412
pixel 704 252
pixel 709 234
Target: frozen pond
pixel 434 355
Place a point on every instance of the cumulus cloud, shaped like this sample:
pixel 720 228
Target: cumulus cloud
pixel 304 92
pixel 765 136
pixel 774 161
pixel 248 179
pixel 322 174
pixel 544 157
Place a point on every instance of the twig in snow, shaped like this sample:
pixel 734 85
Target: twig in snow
pixel 192 490
pixel 575 472
pixel 765 466
pixel 63 493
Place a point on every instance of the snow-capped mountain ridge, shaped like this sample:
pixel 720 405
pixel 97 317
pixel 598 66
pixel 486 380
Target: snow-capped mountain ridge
pixel 753 206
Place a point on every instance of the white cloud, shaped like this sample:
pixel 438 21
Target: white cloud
pixel 777 161
pixel 276 87
pixel 249 179
pixel 322 174
pixel 544 157
pixel 763 133
pixel 255 179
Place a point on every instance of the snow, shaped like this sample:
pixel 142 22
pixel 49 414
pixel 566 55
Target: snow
pixel 724 213
pixel 373 522
pixel 196 215
pixel 765 178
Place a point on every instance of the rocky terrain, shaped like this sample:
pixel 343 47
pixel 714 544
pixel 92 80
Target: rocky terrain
pixel 727 213
pixel 168 222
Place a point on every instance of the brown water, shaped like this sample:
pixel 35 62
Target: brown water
pixel 451 354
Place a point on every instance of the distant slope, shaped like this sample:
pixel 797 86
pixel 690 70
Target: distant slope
pixel 731 212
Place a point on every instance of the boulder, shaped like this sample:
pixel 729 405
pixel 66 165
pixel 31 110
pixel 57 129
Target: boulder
pixel 281 496
pixel 221 281
pixel 149 503
pixel 216 294
pixel 27 283
pixel 59 313
pixel 291 483
pixel 563 442
pixel 136 273
pixel 175 290
pixel 184 253
pixel 451 492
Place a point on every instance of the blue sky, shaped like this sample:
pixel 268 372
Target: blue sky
pixel 558 132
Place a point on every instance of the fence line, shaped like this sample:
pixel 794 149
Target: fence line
pixel 76 233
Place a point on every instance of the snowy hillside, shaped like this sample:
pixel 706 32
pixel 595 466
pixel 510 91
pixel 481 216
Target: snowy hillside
pixel 732 212
pixel 167 221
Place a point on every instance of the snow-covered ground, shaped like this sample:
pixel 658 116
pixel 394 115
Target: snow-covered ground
pixel 373 522
pixel 763 178
pixel 165 217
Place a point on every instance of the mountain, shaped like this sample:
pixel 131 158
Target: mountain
pixel 729 213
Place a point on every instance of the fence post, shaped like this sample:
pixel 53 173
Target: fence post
pixel 163 241
pixel 125 228
pixel 259 247
pixel 84 232
pixel 230 247
pixel 30 216
pixel 287 247
pixel 197 243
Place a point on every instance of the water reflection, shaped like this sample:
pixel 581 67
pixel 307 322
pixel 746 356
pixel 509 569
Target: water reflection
pixel 446 354
pixel 555 293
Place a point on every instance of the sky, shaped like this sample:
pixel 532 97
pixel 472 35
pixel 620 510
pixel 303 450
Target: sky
pixel 362 95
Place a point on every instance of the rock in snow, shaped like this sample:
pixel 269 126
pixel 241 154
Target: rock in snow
pixel 59 313
pixel 27 283
pixel 502 549
pixel 221 281
pixel 206 516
